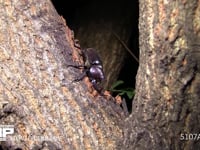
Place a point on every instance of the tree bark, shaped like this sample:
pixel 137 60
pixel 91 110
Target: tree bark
pixel 37 95
pixel 166 105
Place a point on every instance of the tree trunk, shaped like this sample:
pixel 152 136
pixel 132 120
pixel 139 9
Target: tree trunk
pixel 166 105
pixel 37 95
pixel 48 111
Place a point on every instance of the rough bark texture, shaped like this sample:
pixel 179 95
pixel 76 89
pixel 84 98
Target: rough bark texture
pixel 95 23
pixel 36 92
pixel 166 106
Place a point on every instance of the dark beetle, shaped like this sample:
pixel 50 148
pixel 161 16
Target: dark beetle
pixel 92 68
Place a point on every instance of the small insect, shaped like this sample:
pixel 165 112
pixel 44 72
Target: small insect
pixel 93 68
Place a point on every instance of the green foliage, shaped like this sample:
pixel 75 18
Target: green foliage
pixel 123 91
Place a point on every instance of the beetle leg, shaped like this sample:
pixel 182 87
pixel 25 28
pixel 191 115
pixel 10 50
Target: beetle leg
pixel 83 75
pixel 96 86
pixel 78 66
pixel 76 43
